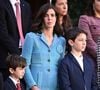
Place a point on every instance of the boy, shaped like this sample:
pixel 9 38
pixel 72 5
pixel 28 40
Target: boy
pixel 16 65
pixel 76 71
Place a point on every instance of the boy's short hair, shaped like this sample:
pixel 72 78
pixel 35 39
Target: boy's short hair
pixel 74 32
pixel 72 35
pixel 14 61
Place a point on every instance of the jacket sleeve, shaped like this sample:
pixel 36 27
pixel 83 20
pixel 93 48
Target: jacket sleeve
pixel 63 78
pixel 91 44
pixel 27 53
pixel 63 43
pixel 94 85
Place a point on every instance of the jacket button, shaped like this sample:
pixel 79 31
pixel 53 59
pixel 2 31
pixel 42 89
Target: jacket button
pixel 48 70
pixel 48 60
pixel 48 50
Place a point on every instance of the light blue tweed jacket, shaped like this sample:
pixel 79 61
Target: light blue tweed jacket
pixel 42 60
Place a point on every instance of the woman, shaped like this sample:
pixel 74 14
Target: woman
pixel 64 21
pixel 42 50
pixel 90 23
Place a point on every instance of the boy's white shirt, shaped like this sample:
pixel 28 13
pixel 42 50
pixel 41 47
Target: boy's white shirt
pixel 14 81
pixel 79 60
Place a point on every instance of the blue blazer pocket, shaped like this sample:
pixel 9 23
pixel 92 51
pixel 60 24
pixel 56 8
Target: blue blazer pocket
pixel 36 58
pixel 39 79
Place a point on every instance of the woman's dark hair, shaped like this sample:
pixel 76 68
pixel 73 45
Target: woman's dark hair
pixel 66 22
pixel 38 21
pixel 72 35
pixel 89 8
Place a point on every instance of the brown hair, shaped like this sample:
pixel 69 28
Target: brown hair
pixel 14 61
pixel 72 35
pixel 67 24
pixel 89 8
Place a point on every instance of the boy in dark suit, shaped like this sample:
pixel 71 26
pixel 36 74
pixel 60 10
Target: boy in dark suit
pixel 16 65
pixel 76 71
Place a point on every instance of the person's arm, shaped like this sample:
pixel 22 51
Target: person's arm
pixel 5 39
pixel 27 54
pixel 94 85
pixel 63 43
pixel 35 88
pixel 91 44
pixel 63 76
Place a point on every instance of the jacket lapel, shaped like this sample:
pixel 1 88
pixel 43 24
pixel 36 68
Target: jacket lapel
pixel 75 62
pixel 10 10
pixel 23 14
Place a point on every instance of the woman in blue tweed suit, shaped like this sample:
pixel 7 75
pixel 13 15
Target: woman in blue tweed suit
pixel 42 50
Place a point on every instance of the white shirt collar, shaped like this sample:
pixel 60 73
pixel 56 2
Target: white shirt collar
pixel 14 81
pixel 13 5
pixel 14 1
pixel 79 60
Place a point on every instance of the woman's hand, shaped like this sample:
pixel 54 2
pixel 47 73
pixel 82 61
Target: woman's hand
pixel 35 88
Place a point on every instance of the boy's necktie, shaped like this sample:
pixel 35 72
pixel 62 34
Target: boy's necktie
pixel 18 86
